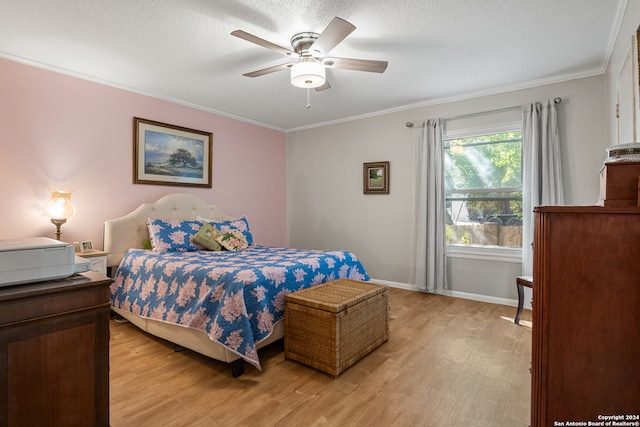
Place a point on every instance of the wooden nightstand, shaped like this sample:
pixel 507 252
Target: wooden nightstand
pixel 54 352
pixel 98 260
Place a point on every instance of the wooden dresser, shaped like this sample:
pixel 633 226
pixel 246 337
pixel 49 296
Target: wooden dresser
pixel 54 358
pixel 586 315
pixel 620 184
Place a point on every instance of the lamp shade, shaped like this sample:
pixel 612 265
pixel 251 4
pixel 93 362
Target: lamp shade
pixel 60 206
pixel 308 74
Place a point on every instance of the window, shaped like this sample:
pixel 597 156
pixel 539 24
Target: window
pixel 483 189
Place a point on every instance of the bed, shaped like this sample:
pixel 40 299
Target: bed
pixel 224 304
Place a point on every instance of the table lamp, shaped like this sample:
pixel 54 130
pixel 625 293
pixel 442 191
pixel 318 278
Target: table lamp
pixel 59 208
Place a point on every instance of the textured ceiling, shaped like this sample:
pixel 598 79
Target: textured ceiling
pixel 182 50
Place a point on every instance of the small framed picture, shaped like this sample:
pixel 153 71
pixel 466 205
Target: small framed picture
pixel 86 246
pixel 376 178
pixel 78 247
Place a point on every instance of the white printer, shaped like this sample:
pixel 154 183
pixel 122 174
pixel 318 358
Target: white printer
pixel 35 259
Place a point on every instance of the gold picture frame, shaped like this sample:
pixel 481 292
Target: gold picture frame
pixel 376 177
pixel 165 154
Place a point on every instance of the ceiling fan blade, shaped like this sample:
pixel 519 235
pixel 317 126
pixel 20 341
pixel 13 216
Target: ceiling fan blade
pixel 264 43
pixel 269 70
pixel 337 30
pixel 356 64
pixel 325 86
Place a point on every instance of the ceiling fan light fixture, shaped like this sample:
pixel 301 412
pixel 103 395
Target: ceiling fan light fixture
pixel 308 74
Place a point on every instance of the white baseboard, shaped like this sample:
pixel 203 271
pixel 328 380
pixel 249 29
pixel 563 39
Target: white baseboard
pixel 456 294
pixel 405 286
pixel 483 298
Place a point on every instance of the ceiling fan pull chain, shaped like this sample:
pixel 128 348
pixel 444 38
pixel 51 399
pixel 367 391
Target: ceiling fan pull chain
pixel 308 98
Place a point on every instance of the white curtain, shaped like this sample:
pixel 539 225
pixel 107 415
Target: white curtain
pixel 428 233
pixel 541 169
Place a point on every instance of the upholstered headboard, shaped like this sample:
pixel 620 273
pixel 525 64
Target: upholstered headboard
pixel 130 231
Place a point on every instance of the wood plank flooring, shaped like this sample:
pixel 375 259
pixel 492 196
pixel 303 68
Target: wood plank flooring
pixel 448 362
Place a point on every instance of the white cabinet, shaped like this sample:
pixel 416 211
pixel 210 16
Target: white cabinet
pixel 98 260
pixel 628 102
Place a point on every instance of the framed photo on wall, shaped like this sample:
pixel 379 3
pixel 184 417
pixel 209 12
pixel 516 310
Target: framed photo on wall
pixel 165 154
pixel 376 178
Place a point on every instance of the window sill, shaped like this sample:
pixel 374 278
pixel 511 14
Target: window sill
pixel 485 253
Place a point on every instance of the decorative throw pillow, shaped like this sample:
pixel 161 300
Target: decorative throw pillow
pixel 173 235
pixel 232 240
pixel 146 244
pixel 206 237
pixel 241 224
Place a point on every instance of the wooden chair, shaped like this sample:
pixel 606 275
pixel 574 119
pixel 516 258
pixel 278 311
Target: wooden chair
pixel 521 282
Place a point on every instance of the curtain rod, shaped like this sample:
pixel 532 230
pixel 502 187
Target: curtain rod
pixel 482 113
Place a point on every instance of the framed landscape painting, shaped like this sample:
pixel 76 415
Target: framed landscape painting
pixel 165 154
pixel 376 178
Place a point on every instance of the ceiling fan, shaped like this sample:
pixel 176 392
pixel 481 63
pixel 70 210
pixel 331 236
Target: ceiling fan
pixel 309 55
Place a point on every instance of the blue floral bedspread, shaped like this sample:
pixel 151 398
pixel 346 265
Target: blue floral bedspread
pixel 235 297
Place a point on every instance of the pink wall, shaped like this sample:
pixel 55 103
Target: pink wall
pixel 58 131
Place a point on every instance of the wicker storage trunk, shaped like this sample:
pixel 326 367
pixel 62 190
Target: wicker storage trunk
pixel 332 326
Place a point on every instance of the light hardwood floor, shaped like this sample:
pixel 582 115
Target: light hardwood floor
pixel 448 362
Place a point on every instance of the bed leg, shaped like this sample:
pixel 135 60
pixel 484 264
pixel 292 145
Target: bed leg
pixel 237 367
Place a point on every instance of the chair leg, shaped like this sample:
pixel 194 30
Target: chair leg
pixel 520 302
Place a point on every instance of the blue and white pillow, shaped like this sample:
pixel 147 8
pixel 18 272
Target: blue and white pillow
pixel 241 224
pixel 173 235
